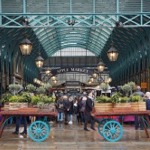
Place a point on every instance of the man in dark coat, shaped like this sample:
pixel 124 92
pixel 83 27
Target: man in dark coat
pixel 87 113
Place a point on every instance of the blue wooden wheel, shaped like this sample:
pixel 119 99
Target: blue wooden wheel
pixel 112 131
pixel 101 124
pixel 8 121
pixel 38 131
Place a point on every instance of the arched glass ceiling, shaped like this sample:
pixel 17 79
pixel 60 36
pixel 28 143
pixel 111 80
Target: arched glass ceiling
pixel 54 39
pixel 73 51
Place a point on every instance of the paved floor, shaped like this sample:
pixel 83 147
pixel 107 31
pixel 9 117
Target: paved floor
pixel 73 137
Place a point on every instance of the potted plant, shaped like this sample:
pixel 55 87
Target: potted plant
pixel 15 88
pixel 31 88
pixel 40 90
pixel 132 86
pixel 103 104
pixel 121 103
pixel 126 88
pixel 137 103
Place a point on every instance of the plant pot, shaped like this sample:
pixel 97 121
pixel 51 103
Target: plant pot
pixel 138 106
pixel 122 107
pixel 103 107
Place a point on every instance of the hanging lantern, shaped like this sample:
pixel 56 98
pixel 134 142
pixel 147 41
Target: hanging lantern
pixel 39 61
pixel 112 53
pixel 101 66
pixel 25 47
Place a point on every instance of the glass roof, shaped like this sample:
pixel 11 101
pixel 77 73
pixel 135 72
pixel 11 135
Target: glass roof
pixel 73 51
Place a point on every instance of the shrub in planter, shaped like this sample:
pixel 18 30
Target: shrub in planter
pixel 26 97
pixel 47 86
pixel 40 90
pixel 6 97
pixel 126 89
pixel 15 88
pixel 31 88
pixel 115 98
pixel 103 99
pixel 132 85
pixel 35 99
pixel 136 98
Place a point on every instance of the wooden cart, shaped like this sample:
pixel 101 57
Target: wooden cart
pixel 112 130
pixel 38 130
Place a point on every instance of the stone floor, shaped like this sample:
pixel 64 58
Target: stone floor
pixel 73 137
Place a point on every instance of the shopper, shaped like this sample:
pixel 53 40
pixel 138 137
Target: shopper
pixel 138 121
pixel 18 122
pixel 88 112
pixel 60 109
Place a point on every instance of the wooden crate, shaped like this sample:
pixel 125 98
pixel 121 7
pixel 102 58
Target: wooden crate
pixel 138 106
pixel 103 107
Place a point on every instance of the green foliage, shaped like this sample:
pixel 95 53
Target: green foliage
pixel 126 88
pixel 132 85
pixel 116 97
pixel 103 99
pixel 35 99
pixel 26 96
pixel 124 99
pixel 47 86
pixel 41 99
pixel 40 90
pixel 6 97
pixel 15 88
pixel 136 98
pixel 16 98
pixel 31 88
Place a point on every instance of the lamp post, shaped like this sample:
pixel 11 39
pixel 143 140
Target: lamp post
pixel 100 66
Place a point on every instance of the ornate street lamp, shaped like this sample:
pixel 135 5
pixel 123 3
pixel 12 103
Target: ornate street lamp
pixel 112 53
pixel 39 61
pixel 94 75
pixel 53 78
pixel 108 80
pixel 55 81
pixel 25 47
pixel 92 79
pixel 100 66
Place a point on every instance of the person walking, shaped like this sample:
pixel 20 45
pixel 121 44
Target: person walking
pixel 138 122
pixel 66 108
pixel 70 111
pixel 88 112
pixel 60 109
pixel 18 122
pixel 147 100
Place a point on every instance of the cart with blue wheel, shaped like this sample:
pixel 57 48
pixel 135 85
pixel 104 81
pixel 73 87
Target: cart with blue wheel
pixel 112 130
pixel 38 130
